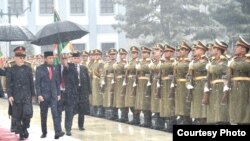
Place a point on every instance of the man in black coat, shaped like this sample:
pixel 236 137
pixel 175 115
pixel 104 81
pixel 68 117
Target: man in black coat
pixel 20 90
pixel 48 92
pixel 83 90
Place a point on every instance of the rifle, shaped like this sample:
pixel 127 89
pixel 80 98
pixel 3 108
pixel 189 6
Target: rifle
pixel 225 97
pixel 171 94
pixel 189 96
pixel 158 86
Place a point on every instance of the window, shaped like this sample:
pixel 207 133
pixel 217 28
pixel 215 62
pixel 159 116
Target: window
pixel 46 6
pixel 106 46
pixel 107 6
pixel 76 6
pixel 16 6
pixel 79 47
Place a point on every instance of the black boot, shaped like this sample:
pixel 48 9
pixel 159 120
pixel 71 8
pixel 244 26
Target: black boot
pixel 158 122
pixel 115 114
pixel 169 124
pixel 124 115
pixel 147 120
pixel 100 112
pixel 136 119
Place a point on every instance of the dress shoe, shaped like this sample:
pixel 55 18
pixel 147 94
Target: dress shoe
pixel 26 134
pixel 68 133
pixel 57 136
pixel 81 128
pixel 43 135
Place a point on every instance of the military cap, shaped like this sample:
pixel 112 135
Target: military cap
pixel 19 49
pixel 220 44
pixel 85 53
pixel 158 47
pixel 168 47
pixel 112 51
pixel 19 54
pixel 134 49
pixel 243 42
pixel 122 51
pixel 91 52
pixel 209 45
pixel 145 49
pixel 97 52
pixel 185 45
pixel 48 53
pixel 76 54
pixel 200 45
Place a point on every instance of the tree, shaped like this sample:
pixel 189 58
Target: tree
pixel 175 20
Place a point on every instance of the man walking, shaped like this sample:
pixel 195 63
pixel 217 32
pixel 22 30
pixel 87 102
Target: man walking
pixel 48 92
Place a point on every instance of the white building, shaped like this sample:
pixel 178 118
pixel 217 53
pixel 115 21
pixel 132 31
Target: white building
pixel 97 16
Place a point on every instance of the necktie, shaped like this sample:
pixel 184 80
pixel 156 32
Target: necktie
pixel 50 73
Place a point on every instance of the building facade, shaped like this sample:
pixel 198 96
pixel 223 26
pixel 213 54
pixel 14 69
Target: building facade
pixel 97 16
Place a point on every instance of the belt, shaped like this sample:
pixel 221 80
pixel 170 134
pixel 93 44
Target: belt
pixel 218 81
pixel 110 75
pixel 165 78
pixel 200 77
pixel 143 77
pixel 241 79
pixel 182 80
pixel 120 76
pixel 131 76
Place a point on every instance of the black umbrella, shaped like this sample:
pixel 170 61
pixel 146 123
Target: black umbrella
pixel 58 32
pixel 15 33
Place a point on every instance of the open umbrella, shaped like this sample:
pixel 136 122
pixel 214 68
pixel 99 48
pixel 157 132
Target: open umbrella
pixel 61 31
pixel 15 33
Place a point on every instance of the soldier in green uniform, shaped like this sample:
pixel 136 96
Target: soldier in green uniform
pixel 131 84
pixel 109 81
pixel 84 58
pixel 143 88
pixel 90 68
pixel 97 97
pixel 120 84
pixel 155 66
pixel 217 113
pixel 167 100
pixel 239 82
pixel 197 75
pixel 182 107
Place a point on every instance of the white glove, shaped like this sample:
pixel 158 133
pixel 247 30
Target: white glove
pixel 172 85
pixel 138 66
pixel 158 84
pixel 112 81
pixel 225 88
pixel 134 84
pixel 206 89
pixel 102 82
pixel 148 84
pixel 189 86
pixel 124 83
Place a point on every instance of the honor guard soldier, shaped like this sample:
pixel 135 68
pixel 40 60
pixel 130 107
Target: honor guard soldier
pixel 20 90
pixel 196 80
pixel 131 80
pixel 109 81
pixel 217 113
pixel 97 94
pixel 182 107
pixel 17 50
pixel 143 91
pixel 166 93
pixel 120 84
pixel 84 58
pixel 238 84
pixel 155 79
pixel 90 68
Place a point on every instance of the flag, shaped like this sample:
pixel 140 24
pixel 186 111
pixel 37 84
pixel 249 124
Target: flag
pixel 58 47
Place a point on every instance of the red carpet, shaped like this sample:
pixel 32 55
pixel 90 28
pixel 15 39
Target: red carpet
pixel 6 135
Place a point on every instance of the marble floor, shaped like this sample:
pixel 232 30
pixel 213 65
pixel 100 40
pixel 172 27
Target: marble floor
pixel 97 129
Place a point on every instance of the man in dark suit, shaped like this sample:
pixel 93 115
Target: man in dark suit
pixel 48 92
pixel 83 90
pixel 20 90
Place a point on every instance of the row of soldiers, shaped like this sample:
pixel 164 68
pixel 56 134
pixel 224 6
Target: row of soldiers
pixel 172 88
pixel 187 85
